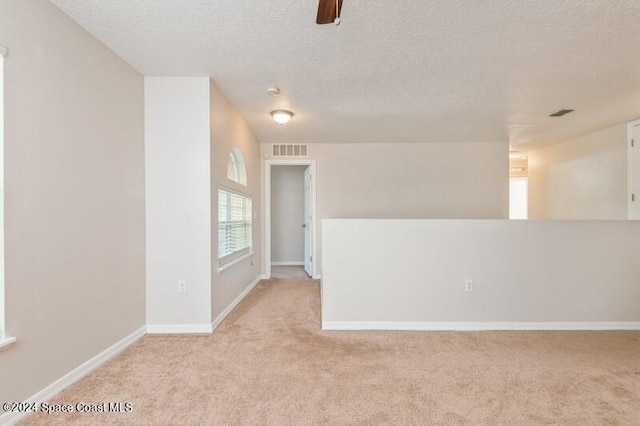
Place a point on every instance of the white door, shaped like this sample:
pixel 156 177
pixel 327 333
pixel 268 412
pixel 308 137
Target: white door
pixel 308 223
pixel 634 210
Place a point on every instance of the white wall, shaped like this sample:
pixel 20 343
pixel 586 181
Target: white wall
pixel 74 182
pixel 400 180
pixel 583 178
pixel 633 177
pixel 403 271
pixel 190 131
pixel 228 131
pixel 178 199
pixel 2 53
pixel 287 214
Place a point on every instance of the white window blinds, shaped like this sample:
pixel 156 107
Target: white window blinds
pixel 234 226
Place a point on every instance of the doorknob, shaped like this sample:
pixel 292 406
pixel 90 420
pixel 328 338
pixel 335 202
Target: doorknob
pixel 304 225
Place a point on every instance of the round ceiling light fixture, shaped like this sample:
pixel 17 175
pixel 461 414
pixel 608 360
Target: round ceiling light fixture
pixel 282 116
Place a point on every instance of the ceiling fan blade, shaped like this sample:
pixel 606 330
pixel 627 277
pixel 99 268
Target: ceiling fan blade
pixel 327 11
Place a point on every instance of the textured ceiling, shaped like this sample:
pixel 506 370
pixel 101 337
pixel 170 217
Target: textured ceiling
pixel 403 71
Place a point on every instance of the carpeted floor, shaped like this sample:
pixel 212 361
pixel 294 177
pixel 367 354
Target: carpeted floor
pixel 289 272
pixel 269 364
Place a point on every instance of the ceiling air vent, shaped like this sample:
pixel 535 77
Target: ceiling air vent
pixel 290 150
pixel 561 113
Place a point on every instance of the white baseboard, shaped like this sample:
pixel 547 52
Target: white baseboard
pixel 476 326
pixel 216 322
pixel 317 277
pixel 203 328
pixel 75 375
pixel 178 328
pixel 287 263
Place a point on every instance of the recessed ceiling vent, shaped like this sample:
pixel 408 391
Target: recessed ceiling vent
pixel 290 150
pixel 561 113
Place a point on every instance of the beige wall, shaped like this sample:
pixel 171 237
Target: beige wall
pixel 178 200
pixel 228 131
pixel 400 180
pixel 430 180
pixel 287 214
pixel 583 178
pixel 536 274
pixel 74 179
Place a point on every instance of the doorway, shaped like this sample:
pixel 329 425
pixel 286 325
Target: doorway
pixel 290 219
pixel 518 198
pixel 518 186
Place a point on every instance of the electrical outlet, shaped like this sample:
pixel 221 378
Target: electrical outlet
pixel 182 286
pixel 468 286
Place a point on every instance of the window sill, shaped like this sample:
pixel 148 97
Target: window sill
pixel 234 261
pixel 5 342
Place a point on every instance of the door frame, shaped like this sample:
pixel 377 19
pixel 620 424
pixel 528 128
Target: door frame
pixel 267 213
pixel 631 173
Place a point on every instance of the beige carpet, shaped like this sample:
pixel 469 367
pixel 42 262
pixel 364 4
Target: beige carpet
pixel 269 364
pixel 289 272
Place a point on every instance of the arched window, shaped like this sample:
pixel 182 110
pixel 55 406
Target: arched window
pixel 236 170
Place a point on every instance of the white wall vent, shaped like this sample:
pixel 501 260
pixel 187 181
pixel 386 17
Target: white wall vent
pixel 290 150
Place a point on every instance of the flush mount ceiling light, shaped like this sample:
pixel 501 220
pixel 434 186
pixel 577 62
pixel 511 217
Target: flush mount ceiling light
pixel 282 116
